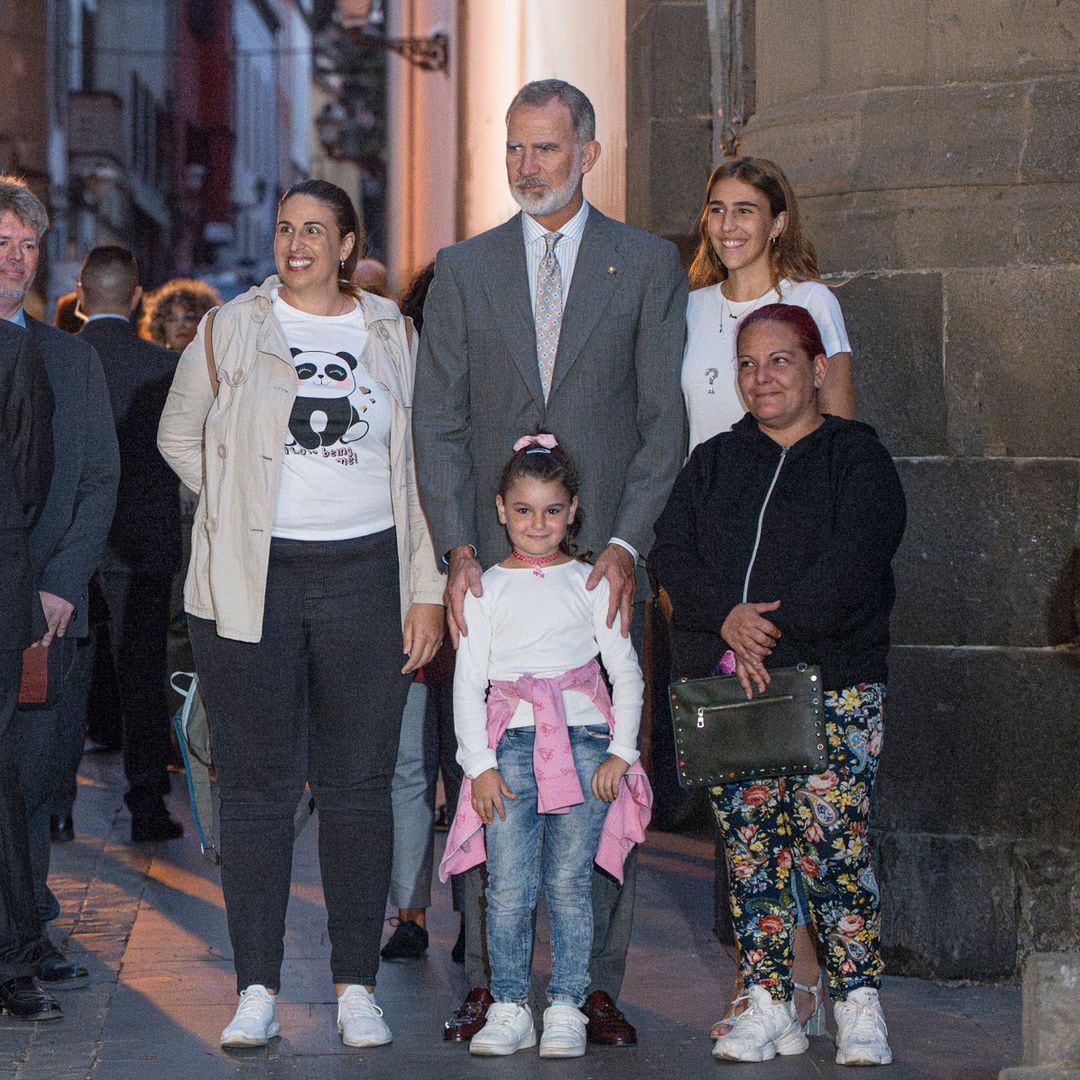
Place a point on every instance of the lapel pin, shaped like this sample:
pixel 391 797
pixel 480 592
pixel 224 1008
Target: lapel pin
pixel 611 270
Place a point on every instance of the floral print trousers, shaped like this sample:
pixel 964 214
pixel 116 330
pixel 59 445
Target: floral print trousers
pixel 814 826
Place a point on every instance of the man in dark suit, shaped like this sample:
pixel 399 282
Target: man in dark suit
pixel 143 550
pixel 26 462
pixel 565 319
pixel 67 540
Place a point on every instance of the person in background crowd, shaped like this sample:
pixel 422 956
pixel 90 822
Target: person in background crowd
pixel 777 544
pixel 170 317
pixel 370 275
pixel 67 541
pixel 26 464
pixel 563 319
pixel 172 313
pixel 415 774
pixel 67 316
pixel 143 549
pixel 313 593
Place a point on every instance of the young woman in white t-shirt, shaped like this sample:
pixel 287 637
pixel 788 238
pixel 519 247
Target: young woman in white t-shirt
pixel 752 252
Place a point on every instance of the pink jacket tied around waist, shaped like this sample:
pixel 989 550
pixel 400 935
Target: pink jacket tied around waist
pixel 556 777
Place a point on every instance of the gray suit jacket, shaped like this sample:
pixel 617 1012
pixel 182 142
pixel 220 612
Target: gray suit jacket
pixel 615 401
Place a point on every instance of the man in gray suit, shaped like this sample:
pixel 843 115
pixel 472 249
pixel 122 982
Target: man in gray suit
pixel 604 379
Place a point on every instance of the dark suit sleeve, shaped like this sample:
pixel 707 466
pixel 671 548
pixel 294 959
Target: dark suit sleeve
pixel 71 564
pixel 441 414
pixel 661 415
pixel 27 421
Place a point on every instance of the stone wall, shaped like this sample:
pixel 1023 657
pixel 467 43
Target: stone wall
pixel 934 146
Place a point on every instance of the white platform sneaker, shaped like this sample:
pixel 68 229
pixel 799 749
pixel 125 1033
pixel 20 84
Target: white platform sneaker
pixel 509 1028
pixel 359 1020
pixel 564 1032
pixel 254 1023
pixel 766 1028
pixel 861 1035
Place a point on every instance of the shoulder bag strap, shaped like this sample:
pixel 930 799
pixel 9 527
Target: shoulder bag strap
pixel 208 338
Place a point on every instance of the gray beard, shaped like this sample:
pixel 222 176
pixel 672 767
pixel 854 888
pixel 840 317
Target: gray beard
pixel 14 292
pixel 553 199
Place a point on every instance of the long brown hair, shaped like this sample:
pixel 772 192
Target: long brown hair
pixel 347 222
pixel 792 256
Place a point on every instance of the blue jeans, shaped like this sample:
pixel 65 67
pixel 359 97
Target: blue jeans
pixel 557 850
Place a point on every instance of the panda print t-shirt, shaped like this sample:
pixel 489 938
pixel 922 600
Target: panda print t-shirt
pixel 335 473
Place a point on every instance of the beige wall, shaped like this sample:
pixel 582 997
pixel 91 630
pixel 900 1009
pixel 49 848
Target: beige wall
pixel 509 43
pixel 423 198
pixel 447 178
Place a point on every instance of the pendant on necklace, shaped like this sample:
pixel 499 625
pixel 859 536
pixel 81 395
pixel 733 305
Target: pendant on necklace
pixel 536 561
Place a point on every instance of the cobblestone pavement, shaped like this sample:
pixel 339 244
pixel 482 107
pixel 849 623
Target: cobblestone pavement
pixel 149 924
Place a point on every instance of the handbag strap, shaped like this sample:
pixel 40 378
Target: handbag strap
pixel 211 363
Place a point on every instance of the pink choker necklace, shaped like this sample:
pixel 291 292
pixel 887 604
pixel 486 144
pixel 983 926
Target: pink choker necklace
pixel 536 561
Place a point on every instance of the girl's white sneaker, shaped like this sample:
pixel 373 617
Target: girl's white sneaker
pixel 254 1023
pixel 861 1035
pixel 359 1020
pixel 509 1028
pixel 564 1032
pixel 766 1028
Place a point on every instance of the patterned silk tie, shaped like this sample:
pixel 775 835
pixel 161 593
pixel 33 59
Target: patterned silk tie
pixel 549 307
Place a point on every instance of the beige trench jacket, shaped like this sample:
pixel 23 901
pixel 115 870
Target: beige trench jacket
pixel 228 449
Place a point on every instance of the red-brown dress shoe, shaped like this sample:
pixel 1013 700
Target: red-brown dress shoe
pixel 607 1025
pixel 469 1019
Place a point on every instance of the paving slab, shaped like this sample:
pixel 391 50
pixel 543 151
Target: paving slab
pixel 149 923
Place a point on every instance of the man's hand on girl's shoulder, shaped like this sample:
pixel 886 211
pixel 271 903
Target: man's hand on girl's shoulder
pixel 463 575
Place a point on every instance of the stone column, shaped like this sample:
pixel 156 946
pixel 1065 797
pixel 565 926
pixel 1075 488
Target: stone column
pixel 1051 1008
pixel 934 148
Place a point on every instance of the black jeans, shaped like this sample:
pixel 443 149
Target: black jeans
pixel 19 927
pixel 318 699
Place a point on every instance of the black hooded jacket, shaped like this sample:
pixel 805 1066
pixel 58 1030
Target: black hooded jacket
pixel 814 526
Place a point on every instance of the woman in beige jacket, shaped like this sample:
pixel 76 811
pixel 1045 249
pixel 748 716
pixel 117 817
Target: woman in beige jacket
pixel 312 594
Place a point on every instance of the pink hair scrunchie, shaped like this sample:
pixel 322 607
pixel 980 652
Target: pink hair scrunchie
pixel 547 442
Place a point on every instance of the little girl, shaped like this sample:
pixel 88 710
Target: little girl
pixel 545 757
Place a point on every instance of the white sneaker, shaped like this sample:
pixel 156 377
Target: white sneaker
pixel 359 1020
pixel 564 1032
pixel 509 1028
pixel 861 1035
pixel 766 1028
pixel 254 1023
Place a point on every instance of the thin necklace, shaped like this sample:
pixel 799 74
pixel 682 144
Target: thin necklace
pixel 725 306
pixel 536 561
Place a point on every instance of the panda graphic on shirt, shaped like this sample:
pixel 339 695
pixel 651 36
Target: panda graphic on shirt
pixel 329 401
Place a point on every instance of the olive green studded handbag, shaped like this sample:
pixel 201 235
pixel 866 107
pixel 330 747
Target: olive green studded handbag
pixel 721 737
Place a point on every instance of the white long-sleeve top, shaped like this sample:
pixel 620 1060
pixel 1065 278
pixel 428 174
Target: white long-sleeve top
pixel 527 625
